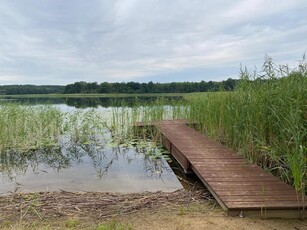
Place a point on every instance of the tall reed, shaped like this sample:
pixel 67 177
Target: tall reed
pixel 28 127
pixel 264 119
pixel 124 119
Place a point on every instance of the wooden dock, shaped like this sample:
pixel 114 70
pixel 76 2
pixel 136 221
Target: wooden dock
pixel 241 188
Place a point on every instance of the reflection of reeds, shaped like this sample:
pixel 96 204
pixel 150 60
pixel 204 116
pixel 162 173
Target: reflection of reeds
pixel 264 119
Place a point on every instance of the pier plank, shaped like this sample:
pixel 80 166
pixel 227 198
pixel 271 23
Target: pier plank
pixel 237 185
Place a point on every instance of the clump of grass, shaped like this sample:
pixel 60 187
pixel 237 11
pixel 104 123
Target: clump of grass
pixel 182 211
pixel 72 223
pixel 265 119
pixel 114 224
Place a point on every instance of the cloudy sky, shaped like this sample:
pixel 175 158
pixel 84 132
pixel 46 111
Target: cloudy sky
pixel 64 41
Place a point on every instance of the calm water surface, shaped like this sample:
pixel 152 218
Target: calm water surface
pixel 85 168
pixel 114 170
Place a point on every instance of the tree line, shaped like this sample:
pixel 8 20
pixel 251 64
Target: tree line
pixel 150 87
pixel 31 89
pixel 121 87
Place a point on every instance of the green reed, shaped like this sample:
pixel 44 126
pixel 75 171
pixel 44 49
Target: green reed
pixel 264 119
pixel 25 127
pixel 124 120
pixel 38 129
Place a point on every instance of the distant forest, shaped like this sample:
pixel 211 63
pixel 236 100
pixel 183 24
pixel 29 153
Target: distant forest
pixel 30 89
pixel 123 87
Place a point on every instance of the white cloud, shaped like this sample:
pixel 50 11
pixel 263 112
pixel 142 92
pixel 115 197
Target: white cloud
pixel 59 42
pixel 10 79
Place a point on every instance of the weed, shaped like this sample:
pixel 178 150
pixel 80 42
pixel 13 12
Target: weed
pixel 72 223
pixel 182 211
pixel 114 224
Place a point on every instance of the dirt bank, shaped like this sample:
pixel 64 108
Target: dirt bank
pixel 178 210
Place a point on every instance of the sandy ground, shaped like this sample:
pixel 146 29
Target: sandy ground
pixel 179 210
pixel 161 219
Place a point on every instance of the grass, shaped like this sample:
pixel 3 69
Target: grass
pixel 113 224
pixel 72 223
pixel 31 128
pixel 124 118
pixel 26 128
pixel 265 120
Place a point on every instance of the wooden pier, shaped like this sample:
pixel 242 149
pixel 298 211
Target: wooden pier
pixel 241 188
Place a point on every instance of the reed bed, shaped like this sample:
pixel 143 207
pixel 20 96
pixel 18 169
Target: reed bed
pixel 32 128
pixel 34 135
pixel 49 135
pixel 26 127
pixel 125 118
pixel 264 119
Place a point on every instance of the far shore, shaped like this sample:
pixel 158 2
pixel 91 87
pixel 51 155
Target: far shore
pixel 92 95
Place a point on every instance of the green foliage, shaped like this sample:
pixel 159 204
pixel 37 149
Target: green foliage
pixel 72 223
pixel 28 128
pixel 32 128
pixel 150 87
pixel 31 135
pixel 124 118
pixel 123 87
pixel 45 134
pixel 30 89
pixel 114 224
pixel 264 119
pixel 182 211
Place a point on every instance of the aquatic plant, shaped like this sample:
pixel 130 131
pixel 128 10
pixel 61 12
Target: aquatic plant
pixel 28 127
pixel 125 134
pixel 31 135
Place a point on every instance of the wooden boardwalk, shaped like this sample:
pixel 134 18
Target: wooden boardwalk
pixel 239 187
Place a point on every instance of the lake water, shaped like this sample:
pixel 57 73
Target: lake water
pixel 97 168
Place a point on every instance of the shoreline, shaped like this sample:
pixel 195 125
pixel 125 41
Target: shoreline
pixel 181 209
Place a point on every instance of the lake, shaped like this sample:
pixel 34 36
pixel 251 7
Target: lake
pixel 102 165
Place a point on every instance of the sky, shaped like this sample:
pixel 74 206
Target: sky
pixel 59 42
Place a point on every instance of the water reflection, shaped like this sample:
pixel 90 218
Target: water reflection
pixel 93 164
pixel 85 167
